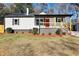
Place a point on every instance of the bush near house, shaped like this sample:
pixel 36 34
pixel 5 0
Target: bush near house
pixel 50 33
pixel 59 31
pixel 43 33
pixel 9 30
pixel 35 31
pixel 30 30
pixel 64 33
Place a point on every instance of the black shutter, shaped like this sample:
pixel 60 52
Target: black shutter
pixel 12 21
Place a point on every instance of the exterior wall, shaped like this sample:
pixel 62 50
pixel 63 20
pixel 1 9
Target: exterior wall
pixel 53 23
pixel 77 27
pixel 50 30
pixel 24 23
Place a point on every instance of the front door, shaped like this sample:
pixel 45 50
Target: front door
pixel 46 22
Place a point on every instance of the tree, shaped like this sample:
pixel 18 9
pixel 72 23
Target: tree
pixel 4 9
pixel 76 7
pixel 21 7
pixel 1 8
pixel 50 11
pixel 36 10
pixel 62 8
pixel 43 6
pixel 40 7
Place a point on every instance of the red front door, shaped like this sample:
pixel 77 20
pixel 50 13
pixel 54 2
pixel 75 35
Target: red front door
pixel 46 22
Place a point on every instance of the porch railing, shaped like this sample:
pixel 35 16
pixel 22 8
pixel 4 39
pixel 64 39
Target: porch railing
pixel 53 25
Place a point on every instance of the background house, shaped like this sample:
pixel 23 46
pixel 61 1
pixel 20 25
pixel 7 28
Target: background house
pixel 75 25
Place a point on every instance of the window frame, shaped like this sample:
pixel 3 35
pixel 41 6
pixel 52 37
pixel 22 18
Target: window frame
pixel 41 22
pixel 61 19
pixel 15 23
pixel 36 23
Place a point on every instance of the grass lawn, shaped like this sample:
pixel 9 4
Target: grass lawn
pixel 30 45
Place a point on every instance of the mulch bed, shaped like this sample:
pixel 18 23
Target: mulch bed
pixel 37 35
pixel 52 35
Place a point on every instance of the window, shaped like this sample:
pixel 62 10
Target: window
pixel 41 21
pixel 59 19
pixel 15 22
pixel 37 21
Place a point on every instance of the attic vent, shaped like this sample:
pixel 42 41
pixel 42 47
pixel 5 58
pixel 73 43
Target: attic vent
pixel 42 13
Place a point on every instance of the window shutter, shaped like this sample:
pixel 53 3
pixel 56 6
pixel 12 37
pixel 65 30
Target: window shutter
pixel 12 21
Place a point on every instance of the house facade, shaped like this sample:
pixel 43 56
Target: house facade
pixel 19 23
pixel 76 25
pixel 46 23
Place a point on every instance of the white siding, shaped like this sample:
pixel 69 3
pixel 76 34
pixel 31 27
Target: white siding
pixel 24 23
pixel 27 23
pixel 52 22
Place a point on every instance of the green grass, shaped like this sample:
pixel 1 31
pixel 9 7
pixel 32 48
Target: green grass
pixel 26 44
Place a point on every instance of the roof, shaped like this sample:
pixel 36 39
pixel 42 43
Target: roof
pixel 38 15
pixel 19 15
pixel 55 15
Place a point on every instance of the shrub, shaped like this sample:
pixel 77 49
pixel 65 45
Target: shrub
pixel 22 32
pixel 59 31
pixel 43 34
pixel 49 33
pixel 35 31
pixel 30 30
pixel 9 30
pixel 64 33
pixel 16 32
